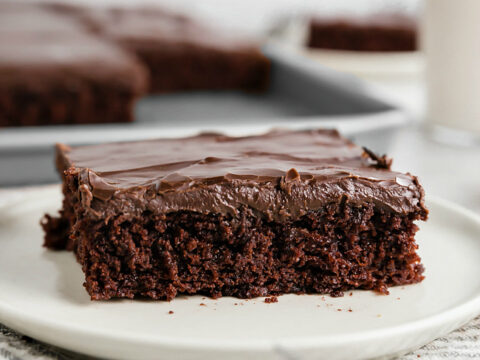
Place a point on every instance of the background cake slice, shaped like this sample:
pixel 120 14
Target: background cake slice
pixel 53 72
pixel 181 53
pixel 284 212
pixel 382 32
pixel 62 63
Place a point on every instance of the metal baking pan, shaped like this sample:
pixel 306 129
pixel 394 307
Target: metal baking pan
pixel 303 94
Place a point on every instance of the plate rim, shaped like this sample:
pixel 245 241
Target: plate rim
pixel 461 313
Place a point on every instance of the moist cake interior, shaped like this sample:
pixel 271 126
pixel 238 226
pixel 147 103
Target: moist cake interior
pixel 284 212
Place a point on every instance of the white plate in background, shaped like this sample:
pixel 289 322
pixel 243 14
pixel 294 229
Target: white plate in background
pixel 292 34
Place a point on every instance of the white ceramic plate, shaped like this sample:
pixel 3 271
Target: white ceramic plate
pixel 377 65
pixel 292 33
pixel 41 295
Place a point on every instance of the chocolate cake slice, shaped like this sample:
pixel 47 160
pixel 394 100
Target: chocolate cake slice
pixel 382 32
pixel 182 54
pixel 53 72
pixel 283 212
pixel 62 63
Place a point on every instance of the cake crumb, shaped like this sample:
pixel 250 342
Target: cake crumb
pixel 339 309
pixel 202 304
pixel 323 298
pixel 271 299
pixel 351 294
pixel 398 298
pixel 235 304
pixel 170 312
pixel 379 315
pixel 350 310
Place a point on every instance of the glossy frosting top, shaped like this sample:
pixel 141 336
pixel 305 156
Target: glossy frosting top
pixel 281 174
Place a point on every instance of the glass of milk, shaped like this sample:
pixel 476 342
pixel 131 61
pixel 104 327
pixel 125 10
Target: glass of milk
pixel 451 40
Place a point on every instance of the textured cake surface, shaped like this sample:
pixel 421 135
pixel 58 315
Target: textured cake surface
pixel 304 211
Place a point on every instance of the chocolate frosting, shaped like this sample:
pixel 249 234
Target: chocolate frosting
pixel 280 175
pixel 142 27
pixel 40 50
